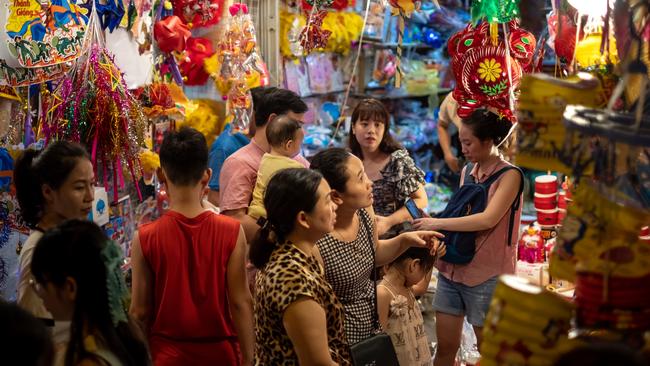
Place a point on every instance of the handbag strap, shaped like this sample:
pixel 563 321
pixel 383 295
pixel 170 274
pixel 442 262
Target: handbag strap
pixel 375 271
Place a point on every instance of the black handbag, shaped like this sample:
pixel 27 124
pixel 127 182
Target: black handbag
pixel 378 349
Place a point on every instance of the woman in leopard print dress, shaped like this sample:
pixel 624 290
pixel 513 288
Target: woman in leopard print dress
pixel 298 318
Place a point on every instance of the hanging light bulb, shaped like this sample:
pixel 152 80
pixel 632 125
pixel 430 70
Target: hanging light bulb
pixel 593 8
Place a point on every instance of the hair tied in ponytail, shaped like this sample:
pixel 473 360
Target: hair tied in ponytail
pixel 267 230
pixel 265 224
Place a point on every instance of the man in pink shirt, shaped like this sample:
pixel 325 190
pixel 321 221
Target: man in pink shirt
pixel 239 171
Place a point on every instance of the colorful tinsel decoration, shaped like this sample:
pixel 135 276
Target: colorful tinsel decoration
pixel 92 105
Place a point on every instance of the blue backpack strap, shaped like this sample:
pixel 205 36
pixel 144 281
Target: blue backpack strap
pixel 491 179
pixel 468 177
pixel 515 205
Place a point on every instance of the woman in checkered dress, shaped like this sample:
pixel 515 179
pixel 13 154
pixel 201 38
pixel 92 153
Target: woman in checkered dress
pixel 351 252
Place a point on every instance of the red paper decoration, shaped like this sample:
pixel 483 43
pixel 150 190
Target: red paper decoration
pixel 486 72
pixel 199 13
pixel 198 50
pixel 565 41
pixel 171 34
pixel 313 35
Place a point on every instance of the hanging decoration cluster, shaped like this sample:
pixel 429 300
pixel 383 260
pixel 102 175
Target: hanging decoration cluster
pixel 92 105
pixel 333 4
pixel 313 35
pixel 237 66
pixel 185 54
pixel 346 27
pixel 199 13
pixel 488 66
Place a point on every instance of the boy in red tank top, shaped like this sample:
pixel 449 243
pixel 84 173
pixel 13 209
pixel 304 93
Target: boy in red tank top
pixel 189 280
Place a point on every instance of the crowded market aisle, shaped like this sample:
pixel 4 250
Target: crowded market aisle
pixel 330 182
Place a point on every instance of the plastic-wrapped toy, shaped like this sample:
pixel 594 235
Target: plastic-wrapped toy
pixel 531 245
pixel 237 66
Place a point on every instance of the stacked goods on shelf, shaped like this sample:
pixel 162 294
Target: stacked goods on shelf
pixel 612 302
pixel 546 191
pixel 526 325
pixel 550 203
pixel 602 250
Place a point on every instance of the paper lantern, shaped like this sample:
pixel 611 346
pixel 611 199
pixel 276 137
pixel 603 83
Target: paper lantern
pixel 486 73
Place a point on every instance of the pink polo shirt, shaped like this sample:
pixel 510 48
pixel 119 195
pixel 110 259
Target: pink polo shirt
pixel 493 254
pixel 238 176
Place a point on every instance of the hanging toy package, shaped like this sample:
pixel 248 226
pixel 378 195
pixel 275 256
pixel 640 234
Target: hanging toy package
pixel 237 66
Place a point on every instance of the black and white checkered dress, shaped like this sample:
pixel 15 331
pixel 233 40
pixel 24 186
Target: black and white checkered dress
pixel 348 267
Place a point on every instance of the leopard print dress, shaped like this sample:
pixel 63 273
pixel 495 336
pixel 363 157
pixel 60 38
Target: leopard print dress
pixel 289 275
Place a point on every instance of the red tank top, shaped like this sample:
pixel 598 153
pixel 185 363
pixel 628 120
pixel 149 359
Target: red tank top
pixel 189 259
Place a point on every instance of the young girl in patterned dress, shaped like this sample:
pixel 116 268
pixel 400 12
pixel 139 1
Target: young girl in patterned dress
pixel 399 313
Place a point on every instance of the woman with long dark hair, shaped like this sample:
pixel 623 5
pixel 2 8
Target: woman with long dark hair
pixel 394 176
pixel 52 185
pixel 78 274
pixel 466 290
pixel 298 318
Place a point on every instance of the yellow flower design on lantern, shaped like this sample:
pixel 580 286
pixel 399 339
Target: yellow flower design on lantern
pixel 489 70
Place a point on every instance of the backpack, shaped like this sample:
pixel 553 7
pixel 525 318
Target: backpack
pixel 472 198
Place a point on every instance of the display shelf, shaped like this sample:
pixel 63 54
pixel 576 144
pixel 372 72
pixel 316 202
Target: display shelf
pixel 324 94
pixel 410 45
pixel 381 96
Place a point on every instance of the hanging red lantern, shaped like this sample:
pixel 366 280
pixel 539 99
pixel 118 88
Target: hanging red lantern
pixel 487 74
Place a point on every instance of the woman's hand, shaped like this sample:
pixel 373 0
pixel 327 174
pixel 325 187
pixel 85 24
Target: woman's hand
pixel 426 239
pixel 425 224
pixel 440 249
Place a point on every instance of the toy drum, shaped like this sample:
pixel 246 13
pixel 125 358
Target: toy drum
pixel 547 217
pixel 546 184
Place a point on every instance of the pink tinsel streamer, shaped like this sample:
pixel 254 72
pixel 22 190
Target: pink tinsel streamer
pixel 106 117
